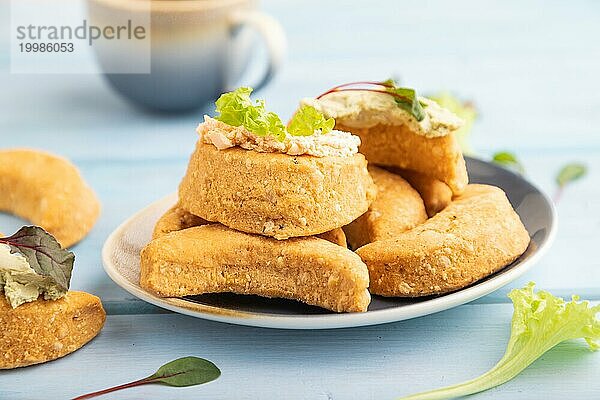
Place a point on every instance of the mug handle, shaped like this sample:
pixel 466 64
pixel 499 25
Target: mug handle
pixel 272 34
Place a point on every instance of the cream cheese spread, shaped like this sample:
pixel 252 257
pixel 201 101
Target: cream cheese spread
pixel 224 136
pixel 20 282
pixel 365 109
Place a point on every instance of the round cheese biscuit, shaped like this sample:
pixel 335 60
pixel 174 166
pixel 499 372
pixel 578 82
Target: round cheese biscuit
pixel 274 194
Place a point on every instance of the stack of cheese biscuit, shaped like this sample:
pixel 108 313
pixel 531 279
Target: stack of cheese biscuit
pixel 261 215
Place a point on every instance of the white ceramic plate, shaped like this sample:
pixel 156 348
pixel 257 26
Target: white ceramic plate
pixel 122 249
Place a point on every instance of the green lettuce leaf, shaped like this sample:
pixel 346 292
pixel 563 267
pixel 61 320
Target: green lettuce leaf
pixel 262 122
pixel 307 120
pixel 540 321
pixel 232 106
pixel 237 109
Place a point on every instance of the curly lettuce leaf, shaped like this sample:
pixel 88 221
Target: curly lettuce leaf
pixel 262 123
pixel 233 106
pixel 540 321
pixel 237 109
pixel 464 110
pixel 308 120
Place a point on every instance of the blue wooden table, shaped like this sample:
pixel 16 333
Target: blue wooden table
pixel 532 70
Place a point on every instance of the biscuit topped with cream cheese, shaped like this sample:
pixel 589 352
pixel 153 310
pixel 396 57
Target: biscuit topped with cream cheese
pixel 223 136
pixel 398 129
pixel 251 173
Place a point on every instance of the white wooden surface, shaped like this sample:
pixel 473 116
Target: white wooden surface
pixel 532 70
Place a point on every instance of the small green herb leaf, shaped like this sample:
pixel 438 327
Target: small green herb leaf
pixel 570 173
pixel 406 98
pixel 237 109
pixel 507 159
pixel 186 371
pixel 307 120
pixel 43 253
pixel 540 321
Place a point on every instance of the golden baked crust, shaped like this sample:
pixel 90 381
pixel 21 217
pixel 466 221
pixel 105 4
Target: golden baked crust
pixel 435 194
pixel 335 236
pixel 44 330
pixel 176 219
pixel 275 195
pixel 48 191
pixel 214 259
pixel 397 208
pixel 478 234
pixel 396 146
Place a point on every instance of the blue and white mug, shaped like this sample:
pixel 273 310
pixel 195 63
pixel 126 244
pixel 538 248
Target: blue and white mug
pixel 198 49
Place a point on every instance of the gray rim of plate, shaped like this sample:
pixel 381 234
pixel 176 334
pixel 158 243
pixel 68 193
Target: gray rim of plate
pixel 535 209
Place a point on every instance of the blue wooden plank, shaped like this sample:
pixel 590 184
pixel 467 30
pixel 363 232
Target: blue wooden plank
pixel 380 362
